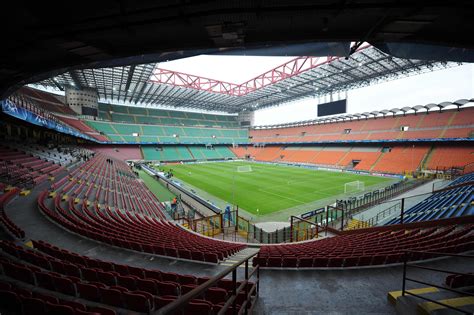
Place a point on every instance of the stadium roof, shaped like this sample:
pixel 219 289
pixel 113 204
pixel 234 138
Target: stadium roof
pixel 150 85
pixel 40 40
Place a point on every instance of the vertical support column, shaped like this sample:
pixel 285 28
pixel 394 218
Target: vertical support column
pixel 405 259
pixel 342 220
pixel 291 229
pixel 248 230
pixel 213 224
pixel 246 285
pixel 237 220
pixel 327 218
pixel 258 279
pixel 402 210
pixel 234 291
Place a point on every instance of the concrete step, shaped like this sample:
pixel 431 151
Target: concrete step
pixel 465 303
pixel 410 305
pixel 394 295
pixel 230 261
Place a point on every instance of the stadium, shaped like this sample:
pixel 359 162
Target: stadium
pixel 249 157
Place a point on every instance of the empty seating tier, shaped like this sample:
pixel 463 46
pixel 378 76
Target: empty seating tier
pixel 368 247
pixel 82 127
pixel 23 170
pixel 450 202
pixel 422 126
pixel 387 158
pixel 94 285
pixel 103 201
pixel 4 219
pixel 46 101
pixel 141 133
pixel 141 115
pixel 400 159
pixel 122 152
pixel 450 156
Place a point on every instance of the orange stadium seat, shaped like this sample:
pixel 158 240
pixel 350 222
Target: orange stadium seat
pixel 367 159
pixel 458 133
pixel 401 159
pixel 436 119
pixel 447 157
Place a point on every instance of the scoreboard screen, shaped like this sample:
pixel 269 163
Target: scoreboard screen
pixel 332 108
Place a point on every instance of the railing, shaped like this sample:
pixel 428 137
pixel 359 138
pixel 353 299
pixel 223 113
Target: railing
pixel 302 229
pixel 370 199
pixel 379 216
pixel 251 293
pixel 406 266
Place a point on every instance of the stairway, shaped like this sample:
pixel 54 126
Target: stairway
pixel 231 260
pixel 427 157
pixel 344 156
pixel 116 131
pixel 191 153
pixel 450 121
pixel 410 304
pixel 420 121
pixel 376 161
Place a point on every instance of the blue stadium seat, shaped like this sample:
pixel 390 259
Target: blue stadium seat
pixel 445 204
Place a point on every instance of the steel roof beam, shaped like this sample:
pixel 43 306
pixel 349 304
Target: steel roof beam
pixel 285 71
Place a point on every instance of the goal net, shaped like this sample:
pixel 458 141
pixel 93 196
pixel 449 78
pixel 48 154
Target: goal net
pixel 244 169
pixel 354 186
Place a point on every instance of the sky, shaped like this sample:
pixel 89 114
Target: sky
pixel 232 69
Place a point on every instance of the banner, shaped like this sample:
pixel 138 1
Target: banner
pixel 11 109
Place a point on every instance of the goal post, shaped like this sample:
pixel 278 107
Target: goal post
pixel 354 186
pixel 244 169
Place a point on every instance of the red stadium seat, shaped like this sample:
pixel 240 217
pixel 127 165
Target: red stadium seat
pixel 88 292
pixel 320 262
pixel 59 309
pixel 111 297
pixel 290 262
pixel 274 262
pixel 305 262
pixel 147 286
pixel 137 302
pixel 64 285
pixel 168 288
pixel 198 307
pixel 33 306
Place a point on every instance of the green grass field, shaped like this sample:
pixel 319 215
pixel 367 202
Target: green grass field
pixel 268 188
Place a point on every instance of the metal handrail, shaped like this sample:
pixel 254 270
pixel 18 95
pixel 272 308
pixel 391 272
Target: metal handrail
pixel 182 301
pixel 405 278
pixel 381 215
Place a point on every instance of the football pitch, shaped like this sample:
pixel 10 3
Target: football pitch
pixel 267 188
